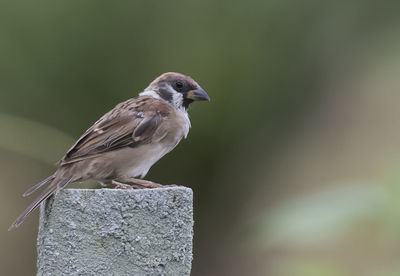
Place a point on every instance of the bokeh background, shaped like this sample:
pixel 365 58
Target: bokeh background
pixel 295 163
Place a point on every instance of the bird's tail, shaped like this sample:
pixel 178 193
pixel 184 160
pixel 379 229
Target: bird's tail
pixel 57 182
pixel 34 188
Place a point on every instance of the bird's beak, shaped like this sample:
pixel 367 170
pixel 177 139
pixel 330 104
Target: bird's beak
pixel 197 95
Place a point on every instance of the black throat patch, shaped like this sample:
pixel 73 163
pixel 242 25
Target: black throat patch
pixel 186 102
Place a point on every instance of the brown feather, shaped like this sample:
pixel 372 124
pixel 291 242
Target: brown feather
pixel 117 128
pixel 55 185
pixel 32 189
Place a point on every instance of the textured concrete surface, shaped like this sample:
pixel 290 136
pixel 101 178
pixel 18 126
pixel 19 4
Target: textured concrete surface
pixel 116 232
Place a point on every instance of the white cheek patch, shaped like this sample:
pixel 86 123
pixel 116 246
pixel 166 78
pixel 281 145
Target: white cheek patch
pixel 177 99
pixel 150 93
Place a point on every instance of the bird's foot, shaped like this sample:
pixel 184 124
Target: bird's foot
pixel 145 183
pixel 119 185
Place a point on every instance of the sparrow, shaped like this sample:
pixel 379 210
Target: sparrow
pixel 124 143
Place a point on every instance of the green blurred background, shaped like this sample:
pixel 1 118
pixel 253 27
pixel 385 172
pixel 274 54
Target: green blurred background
pixel 295 163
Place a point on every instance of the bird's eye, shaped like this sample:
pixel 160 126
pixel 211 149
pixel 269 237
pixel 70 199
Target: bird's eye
pixel 179 85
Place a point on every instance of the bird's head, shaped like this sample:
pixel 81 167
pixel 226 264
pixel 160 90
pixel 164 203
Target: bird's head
pixel 177 89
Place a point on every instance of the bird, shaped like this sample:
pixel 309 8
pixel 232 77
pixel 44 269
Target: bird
pixel 125 142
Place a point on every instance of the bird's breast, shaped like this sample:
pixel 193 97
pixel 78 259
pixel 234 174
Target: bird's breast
pixel 165 139
pixel 174 127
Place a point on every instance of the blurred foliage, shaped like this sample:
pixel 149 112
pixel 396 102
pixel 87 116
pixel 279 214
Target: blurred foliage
pixel 321 216
pixel 291 162
pixel 44 143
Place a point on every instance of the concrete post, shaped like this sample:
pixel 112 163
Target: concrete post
pixel 116 232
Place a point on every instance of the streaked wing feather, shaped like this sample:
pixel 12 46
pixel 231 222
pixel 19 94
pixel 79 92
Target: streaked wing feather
pixel 130 123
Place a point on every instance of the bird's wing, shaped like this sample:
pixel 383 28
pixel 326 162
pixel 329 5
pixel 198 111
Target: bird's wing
pixel 129 124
